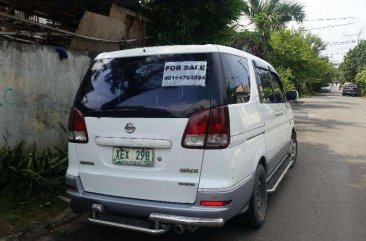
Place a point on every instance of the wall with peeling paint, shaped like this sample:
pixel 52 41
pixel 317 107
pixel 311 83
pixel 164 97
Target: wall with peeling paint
pixel 36 91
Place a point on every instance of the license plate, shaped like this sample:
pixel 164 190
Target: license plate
pixel 133 156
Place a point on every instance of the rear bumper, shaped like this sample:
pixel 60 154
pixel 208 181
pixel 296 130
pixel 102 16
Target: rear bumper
pixel 325 91
pixel 162 222
pixel 187 221
pixel 170 213
pixel 350 93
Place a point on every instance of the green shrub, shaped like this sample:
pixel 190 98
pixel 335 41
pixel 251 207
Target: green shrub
pixel 287 78
pixel 361 81
pixel 28 172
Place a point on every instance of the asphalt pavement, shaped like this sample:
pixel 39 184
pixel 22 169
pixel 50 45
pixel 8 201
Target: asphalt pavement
pixel 322 198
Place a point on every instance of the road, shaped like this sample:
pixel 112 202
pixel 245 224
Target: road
pixel 322 198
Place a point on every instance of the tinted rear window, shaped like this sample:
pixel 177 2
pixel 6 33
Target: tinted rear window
pixel 134 87
pixel 236 75
pixel 350 86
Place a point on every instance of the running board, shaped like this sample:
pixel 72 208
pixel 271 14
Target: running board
pixel 276 178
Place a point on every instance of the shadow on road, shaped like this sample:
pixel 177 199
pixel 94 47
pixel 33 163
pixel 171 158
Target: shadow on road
pixel 326 123
pixel 90 232
pixel 315 106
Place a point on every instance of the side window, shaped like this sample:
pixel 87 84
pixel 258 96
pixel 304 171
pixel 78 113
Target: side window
pixel 236 74
pixel 265 86
pixel 277 88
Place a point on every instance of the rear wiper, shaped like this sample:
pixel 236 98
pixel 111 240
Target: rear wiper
pixel 126 108
pixel 123 108
pixel 146 109
pixel 133 109
pixel 110 110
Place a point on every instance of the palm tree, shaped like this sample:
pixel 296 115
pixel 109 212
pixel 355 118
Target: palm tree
pixel 267 16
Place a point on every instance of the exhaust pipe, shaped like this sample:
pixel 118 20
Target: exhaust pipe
pixel 97 209
pixel 178 229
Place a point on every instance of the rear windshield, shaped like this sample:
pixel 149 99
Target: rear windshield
pixel 350 86
pixel 149 86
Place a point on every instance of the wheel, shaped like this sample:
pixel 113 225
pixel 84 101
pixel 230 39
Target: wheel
pixel 256 214
pixel 293 150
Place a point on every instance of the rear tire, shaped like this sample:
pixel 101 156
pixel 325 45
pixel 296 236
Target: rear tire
pixel 256 214
pixel 293 150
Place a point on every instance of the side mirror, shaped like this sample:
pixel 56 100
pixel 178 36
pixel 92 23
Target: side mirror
pixel 292 95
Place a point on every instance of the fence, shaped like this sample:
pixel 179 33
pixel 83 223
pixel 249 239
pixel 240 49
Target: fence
pixel 36 91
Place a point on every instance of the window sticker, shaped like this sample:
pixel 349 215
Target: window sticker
pixel 185 73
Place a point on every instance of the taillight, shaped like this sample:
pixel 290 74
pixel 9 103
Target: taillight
pixel 71 184
pixel 215 203
pixel 77 127
pixel 71 187
pixel 208 129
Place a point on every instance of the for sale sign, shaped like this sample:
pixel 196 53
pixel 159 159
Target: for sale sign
pixel 186 73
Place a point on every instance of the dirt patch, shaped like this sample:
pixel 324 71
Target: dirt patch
pixel 67 221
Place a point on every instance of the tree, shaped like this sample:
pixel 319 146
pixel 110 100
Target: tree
pixel 271 15
pixel 353 62
pixel 192 21
pixel 361 80
pixel 291 50
pixel 287 78
pixel 315 42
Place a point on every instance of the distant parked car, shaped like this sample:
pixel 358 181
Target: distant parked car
pixel 326 88
pixel 350 89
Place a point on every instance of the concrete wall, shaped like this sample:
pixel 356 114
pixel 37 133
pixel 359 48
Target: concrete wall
pixel 36 91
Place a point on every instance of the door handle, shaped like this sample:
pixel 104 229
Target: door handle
pixel 278 113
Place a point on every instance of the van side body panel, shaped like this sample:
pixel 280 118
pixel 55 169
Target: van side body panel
pixel 248 143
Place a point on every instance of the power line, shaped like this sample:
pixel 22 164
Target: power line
pixel 340 46
pixel 328 19
pixel 337 50
pixel 333 45
pixel 341 43
pixel 331 26
pixel 332 54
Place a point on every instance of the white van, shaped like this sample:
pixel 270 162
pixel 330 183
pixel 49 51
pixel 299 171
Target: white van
pixel 178 137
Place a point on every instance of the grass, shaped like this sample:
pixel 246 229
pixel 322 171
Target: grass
pixel 30 180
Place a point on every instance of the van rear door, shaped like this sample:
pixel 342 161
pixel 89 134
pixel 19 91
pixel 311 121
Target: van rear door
pixel 136 110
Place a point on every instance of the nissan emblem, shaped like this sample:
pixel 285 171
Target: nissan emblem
pixel 130 128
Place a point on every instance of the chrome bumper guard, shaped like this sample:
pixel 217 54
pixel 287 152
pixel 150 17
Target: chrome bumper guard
pixel 187 221
pixel 156 231
pixel 162 222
